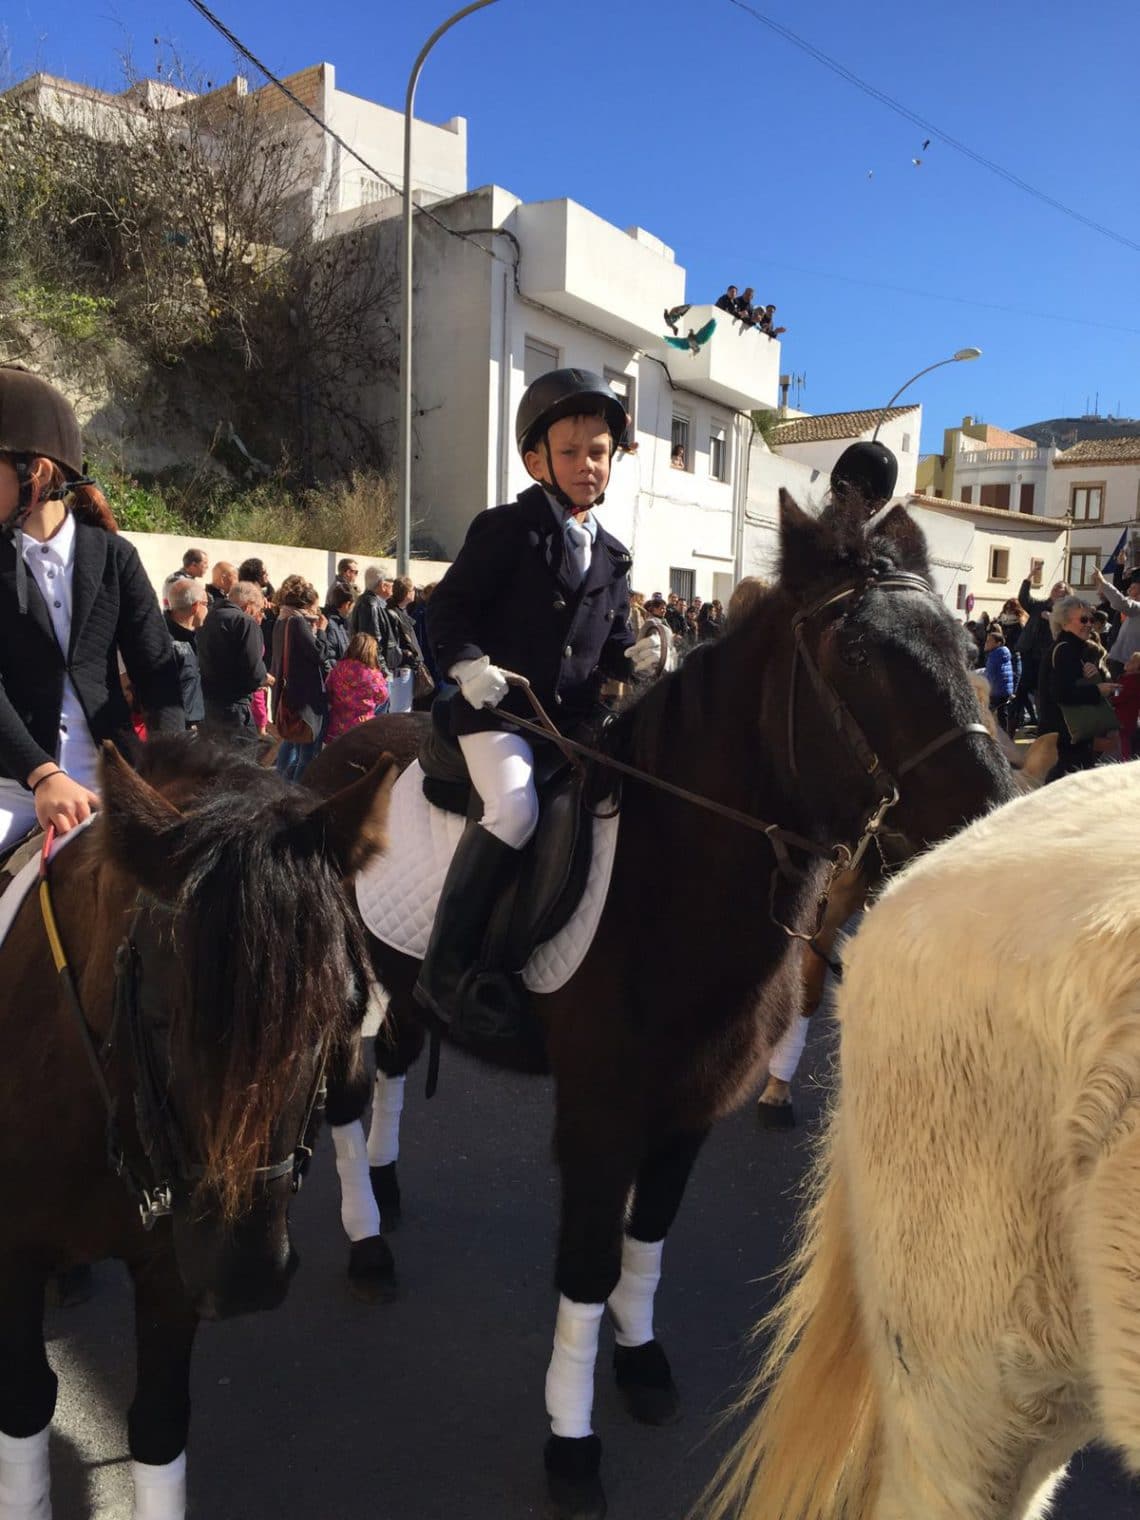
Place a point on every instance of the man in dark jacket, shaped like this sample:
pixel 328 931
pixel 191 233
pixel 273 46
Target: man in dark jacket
pixel 337 610
pixel 187 613
pixel 370 615
pixel 231 657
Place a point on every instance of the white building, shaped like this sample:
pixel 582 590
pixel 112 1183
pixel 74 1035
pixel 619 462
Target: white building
pixel 979 555
pixel 1096 483
pixel 539 286
pixel 818 441
pixel 336 191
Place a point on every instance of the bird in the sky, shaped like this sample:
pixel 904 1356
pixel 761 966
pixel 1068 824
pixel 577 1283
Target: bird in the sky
pixel 694 341
pixel 926 145
pixel 917 162
pixel 673 315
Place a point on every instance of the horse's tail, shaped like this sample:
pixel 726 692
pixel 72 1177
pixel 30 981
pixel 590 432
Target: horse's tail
pixel 813 1448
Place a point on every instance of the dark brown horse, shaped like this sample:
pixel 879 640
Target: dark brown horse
pixel 162 1115
pixel 845 685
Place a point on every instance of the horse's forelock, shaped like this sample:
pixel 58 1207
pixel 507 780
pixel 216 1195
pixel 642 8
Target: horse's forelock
pixel 269 947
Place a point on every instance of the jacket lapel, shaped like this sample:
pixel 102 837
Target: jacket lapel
pixel 607 559
pixel 86 578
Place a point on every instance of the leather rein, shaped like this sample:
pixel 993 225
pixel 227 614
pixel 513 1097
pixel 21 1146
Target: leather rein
pixel 840 857
pixel 163 1144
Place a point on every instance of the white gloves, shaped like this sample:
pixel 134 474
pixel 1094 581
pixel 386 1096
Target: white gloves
pixel 645 655
pixel 483 684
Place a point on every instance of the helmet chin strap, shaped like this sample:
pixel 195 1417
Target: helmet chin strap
pixel 556 490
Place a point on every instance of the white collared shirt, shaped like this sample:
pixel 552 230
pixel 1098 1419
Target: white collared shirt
pixel 51 565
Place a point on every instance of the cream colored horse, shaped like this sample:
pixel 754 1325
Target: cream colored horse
pixel 964 1312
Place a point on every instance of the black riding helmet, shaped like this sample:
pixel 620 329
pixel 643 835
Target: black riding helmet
pixel 566 393
pixel 866 470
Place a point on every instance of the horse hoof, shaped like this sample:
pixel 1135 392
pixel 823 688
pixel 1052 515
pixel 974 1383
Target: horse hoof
pixel 645 1382
pixel 573 1489
pixel 372 1271
pixel 386 1191
pixel 775 1115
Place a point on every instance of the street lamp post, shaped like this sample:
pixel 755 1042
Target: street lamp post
pixel 404 514
pixel 962 354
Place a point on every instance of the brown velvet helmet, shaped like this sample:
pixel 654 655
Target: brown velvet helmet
pixel 36 419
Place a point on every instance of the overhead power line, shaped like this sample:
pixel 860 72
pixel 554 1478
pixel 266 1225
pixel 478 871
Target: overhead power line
pixel 235 42
pixel 929 127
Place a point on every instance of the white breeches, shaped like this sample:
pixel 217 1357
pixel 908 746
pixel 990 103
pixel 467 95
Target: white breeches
pixel 788 1049
pixel 17 813
pixel 501 767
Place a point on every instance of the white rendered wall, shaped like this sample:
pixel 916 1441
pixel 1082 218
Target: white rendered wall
pixel 959 548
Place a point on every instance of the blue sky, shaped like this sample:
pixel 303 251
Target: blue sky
pixel 758 165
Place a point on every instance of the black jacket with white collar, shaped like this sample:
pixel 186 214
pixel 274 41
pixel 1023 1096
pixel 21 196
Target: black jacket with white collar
pixel 113 610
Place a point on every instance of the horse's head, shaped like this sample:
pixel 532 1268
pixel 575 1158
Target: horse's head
pixel 879 701
pixel 241 971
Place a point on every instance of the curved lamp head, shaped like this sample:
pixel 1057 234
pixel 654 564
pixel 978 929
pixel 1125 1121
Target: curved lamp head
pixel 968 353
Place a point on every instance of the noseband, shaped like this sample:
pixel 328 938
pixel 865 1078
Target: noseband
pixel 140 1007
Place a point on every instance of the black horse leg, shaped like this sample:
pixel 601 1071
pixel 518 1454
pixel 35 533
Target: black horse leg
pixel 640 1364
pixel 371 1267
pixel 597 1148
pixel 27 1392
pixel 159 1417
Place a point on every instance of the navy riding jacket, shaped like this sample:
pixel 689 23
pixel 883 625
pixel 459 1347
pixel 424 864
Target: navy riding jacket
pixel 511 595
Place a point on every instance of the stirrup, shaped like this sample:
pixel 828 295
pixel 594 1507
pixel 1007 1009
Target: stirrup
pixel 488 1007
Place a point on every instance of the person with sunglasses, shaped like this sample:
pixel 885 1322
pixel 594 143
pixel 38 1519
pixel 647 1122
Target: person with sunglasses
pixel 1077 675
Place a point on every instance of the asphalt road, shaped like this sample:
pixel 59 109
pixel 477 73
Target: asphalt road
pixel 432 1408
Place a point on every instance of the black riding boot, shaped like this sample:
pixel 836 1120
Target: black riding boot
pixel 482 1004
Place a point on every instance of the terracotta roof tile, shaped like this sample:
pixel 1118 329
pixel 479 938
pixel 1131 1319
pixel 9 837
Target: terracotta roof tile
pixel 1021 519
pixel 830 425
pixel 1102 451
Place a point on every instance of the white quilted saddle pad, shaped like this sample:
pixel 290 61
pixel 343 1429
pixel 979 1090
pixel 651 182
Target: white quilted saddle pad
pixel 398 892
pixel 27 874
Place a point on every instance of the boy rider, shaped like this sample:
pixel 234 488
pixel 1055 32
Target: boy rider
pixel 541 589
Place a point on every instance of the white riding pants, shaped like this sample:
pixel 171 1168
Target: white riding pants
pixel 501 767
pixel 17 813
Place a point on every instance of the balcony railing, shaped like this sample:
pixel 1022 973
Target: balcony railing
pixel 1004 456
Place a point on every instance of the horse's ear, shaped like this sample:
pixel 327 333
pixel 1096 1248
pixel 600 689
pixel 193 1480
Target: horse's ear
pixel 905 539
pixel 354 821
pixel 799 544
pixel 139 822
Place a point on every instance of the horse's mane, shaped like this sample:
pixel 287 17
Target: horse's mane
pixel 269 943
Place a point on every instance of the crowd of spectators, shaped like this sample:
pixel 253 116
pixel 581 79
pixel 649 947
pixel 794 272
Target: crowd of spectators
pixel 749 313
pixel 1043 657
pixel 251 657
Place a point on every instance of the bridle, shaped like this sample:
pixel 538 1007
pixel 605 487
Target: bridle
pixel 169 1166
pixel 841 857
pixel 838 715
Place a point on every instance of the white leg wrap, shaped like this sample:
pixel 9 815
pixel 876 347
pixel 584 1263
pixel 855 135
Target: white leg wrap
pixel 160 1492
pixel 25 1480
pixel 358 1211
pixel 631 1302
pixel 387 1106
pixel 789 1048
pixel 570 1376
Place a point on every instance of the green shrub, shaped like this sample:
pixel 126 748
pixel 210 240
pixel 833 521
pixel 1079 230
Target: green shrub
pixel 139 508
pixel 70 315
